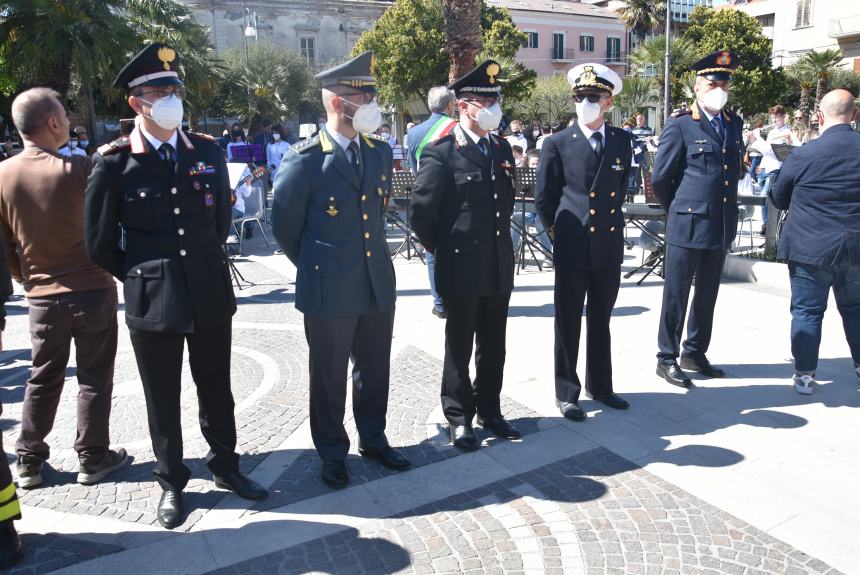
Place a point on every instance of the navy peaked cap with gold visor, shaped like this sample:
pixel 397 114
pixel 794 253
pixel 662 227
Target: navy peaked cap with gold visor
pixel 718 66
pixel 155 65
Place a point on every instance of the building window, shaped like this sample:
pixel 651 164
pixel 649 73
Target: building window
pixel 531 40
pixel 308 51
pixel 613 49
pixel 558 45
pixel 804 14
pixel 586 43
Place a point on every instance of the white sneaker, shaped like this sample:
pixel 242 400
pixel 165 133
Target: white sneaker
pixel 232 239
pixel 803 383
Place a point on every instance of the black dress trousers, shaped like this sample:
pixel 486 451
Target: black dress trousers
pixel 159 360
pixel 331 342
pixel 570 295
pixel 482 320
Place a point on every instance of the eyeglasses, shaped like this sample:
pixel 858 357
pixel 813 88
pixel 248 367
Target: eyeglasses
pixel 154 93
pixel 366 98
pixel 484 102
pixel 592 98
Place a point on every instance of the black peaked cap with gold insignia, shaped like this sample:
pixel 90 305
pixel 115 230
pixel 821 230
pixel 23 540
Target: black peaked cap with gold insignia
pixel 155 65
pixel 482 81
pixel 718 66
pixel 356 73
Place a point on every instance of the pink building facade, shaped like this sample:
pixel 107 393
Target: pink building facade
pixel 563 34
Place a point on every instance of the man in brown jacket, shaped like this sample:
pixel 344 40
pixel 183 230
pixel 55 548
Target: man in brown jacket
pixel 70 297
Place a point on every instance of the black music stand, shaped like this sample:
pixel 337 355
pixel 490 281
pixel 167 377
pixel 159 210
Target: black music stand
pixel 401 187
pixel 781 151
pixel 527 181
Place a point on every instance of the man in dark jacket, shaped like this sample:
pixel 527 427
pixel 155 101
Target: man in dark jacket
pixel 695 179
pixel 170 192
pixel 581 185
pixel 328 217
pixel 460 210
pixel 819 184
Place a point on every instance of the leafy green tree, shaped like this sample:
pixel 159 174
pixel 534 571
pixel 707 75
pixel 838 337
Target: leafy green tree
pixel 550 102
pixel 637 94
pixel 648 59
pixel 643 16
pixel 755 85
pixel 409 42
pixel 820 65
pixel 274 83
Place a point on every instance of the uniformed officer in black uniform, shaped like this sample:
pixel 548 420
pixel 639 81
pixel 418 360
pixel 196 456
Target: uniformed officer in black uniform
pixel 169 191
pixel 460 210
pixel 328 217
pixel 695 179
pixel 581 185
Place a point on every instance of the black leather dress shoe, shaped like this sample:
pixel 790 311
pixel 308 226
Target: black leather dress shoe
pixel 171 512
pixel 570 410
pixel 500 427
pixel 241 485
pixel 387 456
pixel 612 400
pixel 10 545
pixel 463 437
pixel 673 374
pixel 701 365
pixel 334 473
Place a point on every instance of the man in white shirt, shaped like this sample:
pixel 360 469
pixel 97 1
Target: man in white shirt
pixel 517 138
pixel 780 133
pixel 71 148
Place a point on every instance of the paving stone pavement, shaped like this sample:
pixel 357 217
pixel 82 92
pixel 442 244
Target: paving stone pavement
pixel 592 514
pixel 47 552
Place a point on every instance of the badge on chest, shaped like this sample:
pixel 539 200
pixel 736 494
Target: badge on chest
pixel 618 166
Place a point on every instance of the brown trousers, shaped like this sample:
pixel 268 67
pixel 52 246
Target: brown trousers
pixel 88 317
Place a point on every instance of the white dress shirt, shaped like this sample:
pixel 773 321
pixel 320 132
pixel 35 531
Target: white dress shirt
pixel 588 132
pixel 344 142
pixel 156 143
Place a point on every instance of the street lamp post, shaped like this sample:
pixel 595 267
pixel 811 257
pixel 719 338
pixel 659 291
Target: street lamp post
pixel 666 89
pixel 249 30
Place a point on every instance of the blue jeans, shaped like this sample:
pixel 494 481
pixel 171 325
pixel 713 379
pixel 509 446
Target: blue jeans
pixel 431 271
pixel 531 220
pixel 810 288
pixel 764 180
pixel 754 162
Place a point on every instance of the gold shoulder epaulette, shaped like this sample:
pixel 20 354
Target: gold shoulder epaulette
pixel 114 146
pixel 305 145
pixel 201 135
pixel 681 112
pixel 376 137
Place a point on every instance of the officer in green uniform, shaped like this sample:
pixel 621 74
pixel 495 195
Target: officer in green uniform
pixel 328 217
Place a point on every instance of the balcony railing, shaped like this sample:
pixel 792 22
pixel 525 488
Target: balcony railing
pixel 563 55
pixel 616 57
pixel 844 27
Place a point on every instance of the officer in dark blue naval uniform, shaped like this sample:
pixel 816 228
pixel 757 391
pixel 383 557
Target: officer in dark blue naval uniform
pixel 695 179
pixel 169 191
pixel 460 210
pixel 328 217
pixel 581 184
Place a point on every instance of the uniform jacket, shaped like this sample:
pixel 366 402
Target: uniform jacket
pixel 579 197
pixel 461 209
pixel 695 179
pixel 331 226
pixel 819 185
pixel 173 268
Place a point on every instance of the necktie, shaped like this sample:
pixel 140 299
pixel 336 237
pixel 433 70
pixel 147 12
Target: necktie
pixel 598 143
pixel 356 158
pixel 167 154
pixel 485 146
pixel 718 128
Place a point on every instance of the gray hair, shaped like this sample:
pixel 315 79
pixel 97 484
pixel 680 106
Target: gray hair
pixel 32 108
pixel 439 98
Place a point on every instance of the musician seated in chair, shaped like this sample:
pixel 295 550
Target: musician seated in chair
pixel 531 160
pixel 242 191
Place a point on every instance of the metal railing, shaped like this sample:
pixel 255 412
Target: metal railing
pixel 563 55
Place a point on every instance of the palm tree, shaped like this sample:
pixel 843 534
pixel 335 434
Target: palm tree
pixel 50 43
pixel 462 34
pixel 821 65
pixel 648 60
pixel 806 81
pixel 637 94
pixel 643 16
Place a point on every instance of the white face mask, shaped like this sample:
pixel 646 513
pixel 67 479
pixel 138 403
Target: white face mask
pixel 715 99
pixel 535 133
pixel 488 118
pixel 276 136
pixel 367 117
pixel 587 112
pixel 166 112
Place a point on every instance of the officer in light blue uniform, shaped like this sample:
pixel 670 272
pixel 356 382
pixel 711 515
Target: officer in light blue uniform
pixel 695 179
pixel 328 217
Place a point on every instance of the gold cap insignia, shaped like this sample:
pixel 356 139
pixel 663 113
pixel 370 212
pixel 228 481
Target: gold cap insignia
pixel 588 76
pixel 724 59
pixel 493 71
pixel 166 55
